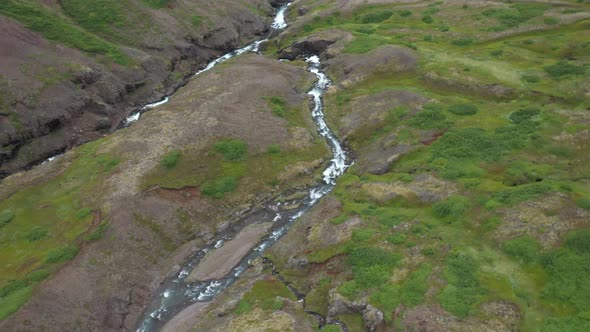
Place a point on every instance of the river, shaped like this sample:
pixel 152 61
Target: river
pixel 176 293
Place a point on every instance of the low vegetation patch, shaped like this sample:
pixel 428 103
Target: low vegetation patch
pixel 564 68
pixel 170 159
pixel 463 109
pixel 6 217
pixel 56 28
pixel 463 291
pixel 232 149
pixel 219 187
pixel 264 295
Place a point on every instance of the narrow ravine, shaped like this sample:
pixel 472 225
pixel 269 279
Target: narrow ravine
pixel 177 293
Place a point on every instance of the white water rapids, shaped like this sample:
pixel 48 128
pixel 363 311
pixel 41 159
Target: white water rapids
pixel 177 293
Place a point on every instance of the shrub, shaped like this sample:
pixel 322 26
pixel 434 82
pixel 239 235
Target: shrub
pixel 427 19
pixel 6 217
pixel 496 52
pixel 196 20
pixel 387 298
pixel 278 106
pixel 525 249
pixel 398 238
pixel 220 187
pixel 463 109
pixel 551 20
pixel 232 149
pixel 61 254
pixel 465 41
pixel 453 207
pixel 83 213
pixel 98 233
pixel 170 159
pixel 584 203
pixel 413 290
pixel 13 286
pixel 579 242
pixel 37 276
pixel 463 290
pixel 376 17
pixel 430 118
pixel 524 114
pixel 405 13
pixel 362 234
pixel 564 68
pixel 368 256
pixel 273 149
pixel 522 193
pixel 157 3
pixel 531 78
pixel 36 234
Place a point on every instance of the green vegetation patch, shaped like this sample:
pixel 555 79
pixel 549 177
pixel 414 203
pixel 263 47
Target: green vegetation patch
pixel 6 217
pixel 219 187
pixel 61 254
pixel 56 28
pixel 371 267
pixel 232 149
pixel 564 68
pixel 158 3
pixel 463 291
pixel 431 117
pixel 525 249
pixel 170 159
pixel 452 208
pixel 264 295
pixel 463 109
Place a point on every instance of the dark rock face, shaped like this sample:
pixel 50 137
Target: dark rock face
pixel 306 47
pixel 55 97
pixel 279 3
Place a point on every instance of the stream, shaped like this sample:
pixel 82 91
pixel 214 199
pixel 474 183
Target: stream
pixel 177 293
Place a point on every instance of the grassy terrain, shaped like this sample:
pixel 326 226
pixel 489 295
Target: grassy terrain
pixel 501 153
pixel 54 27
pixel 43 225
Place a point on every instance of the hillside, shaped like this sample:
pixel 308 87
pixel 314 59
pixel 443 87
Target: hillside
pixel 72 70
pixel 465 205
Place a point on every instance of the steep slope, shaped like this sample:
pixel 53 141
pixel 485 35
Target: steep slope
pixel 71 70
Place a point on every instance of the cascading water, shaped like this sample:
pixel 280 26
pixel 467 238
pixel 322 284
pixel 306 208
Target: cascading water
pixel 279 23
pixel 177 293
